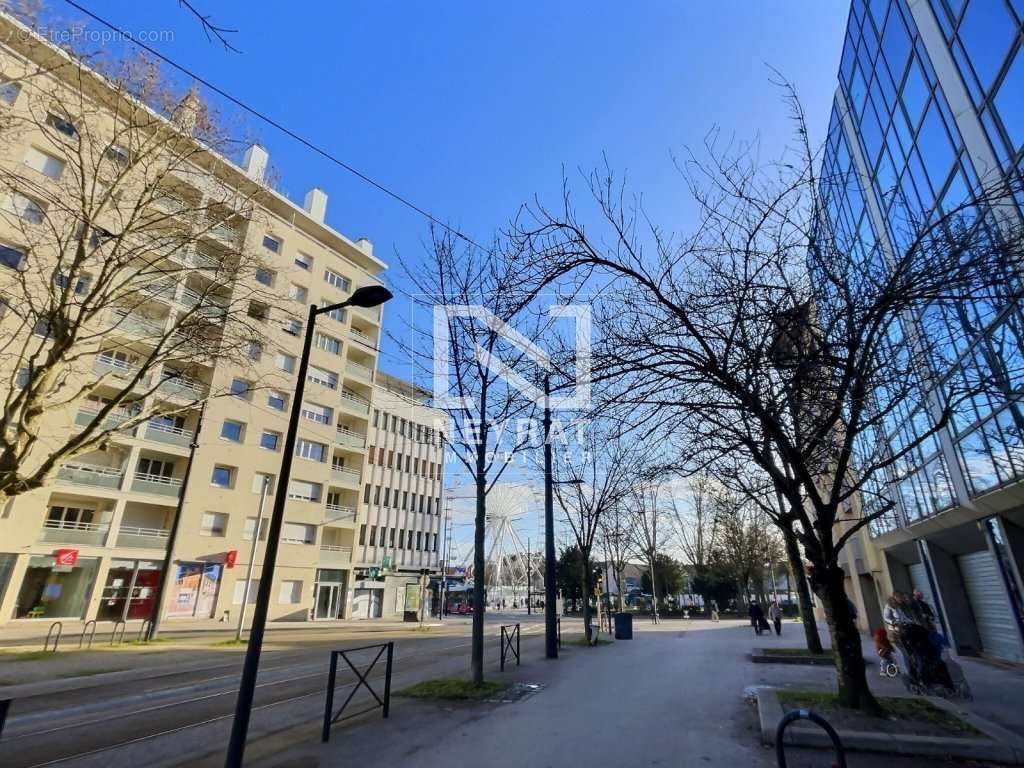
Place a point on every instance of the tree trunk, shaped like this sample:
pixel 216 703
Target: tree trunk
pixel 479 580
pixel 796 567
pixel 654 591
pixel 854 692
pixel 588 590
pixel 619 575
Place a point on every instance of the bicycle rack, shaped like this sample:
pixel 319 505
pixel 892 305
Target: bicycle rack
pixel 506 643
pixel 144 630
pixel 385 649
pixel 59 626
pixel 803 714
pixel 90 628
pixel 113 633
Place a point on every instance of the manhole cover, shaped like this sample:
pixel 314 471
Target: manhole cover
pixel 518 692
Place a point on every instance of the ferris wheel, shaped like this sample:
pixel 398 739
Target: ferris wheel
pixel 509 563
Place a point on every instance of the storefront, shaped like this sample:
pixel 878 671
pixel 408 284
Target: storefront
pixel 194 591
pixel 52 591
pixel 329 594
pixel 130 590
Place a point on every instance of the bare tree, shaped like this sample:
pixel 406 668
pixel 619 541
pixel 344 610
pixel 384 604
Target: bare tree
pixel 588 486
pixel 616 545
pixel 648 519
pixel 124 275
pixel 770 334
pixel 481 304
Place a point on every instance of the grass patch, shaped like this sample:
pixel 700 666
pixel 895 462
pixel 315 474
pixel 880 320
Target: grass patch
pixel 793 652
pixel 228 643
pixel 901 711
pixel 452 688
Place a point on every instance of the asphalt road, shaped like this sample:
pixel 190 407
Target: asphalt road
pixel 178 717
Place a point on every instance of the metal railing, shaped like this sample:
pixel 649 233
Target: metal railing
pixel 140 537
pixel 361 337
pixel 384 702
pixel 359 371
pixel 345 474
pixel 164 433
pixel 803 714
pixel 90 474
pixel 67 532
pixel 352 400
pixel 135 324
pixel 340 510
pixel 183 385
pixel 506 643
pixel 350 438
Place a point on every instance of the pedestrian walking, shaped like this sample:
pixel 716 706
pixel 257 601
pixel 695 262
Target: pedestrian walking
pixel 756 614
pixel 714 610
pixel 775 614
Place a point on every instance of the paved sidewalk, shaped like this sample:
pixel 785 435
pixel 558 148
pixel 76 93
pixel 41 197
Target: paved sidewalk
pixel 671 696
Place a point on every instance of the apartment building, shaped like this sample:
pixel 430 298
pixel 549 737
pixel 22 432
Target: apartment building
pixel 400 511
pixel 92 543
pixel 928 108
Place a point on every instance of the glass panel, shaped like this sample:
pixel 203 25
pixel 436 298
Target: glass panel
pixel 987 30
pixel 1009 101
pixel 51 592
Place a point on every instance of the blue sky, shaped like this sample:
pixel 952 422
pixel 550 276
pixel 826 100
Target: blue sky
pixel 470 109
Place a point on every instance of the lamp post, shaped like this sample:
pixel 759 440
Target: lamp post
pixel 550 618
pixel 367 296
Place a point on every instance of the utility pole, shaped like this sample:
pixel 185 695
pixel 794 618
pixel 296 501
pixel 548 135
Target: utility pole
pixel 529 578
pixel 550 630
pixel 252 557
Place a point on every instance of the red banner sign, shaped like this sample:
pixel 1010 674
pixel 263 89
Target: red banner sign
pixel 230 557
pixel 65 557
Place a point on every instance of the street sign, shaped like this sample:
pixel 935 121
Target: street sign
pixel 230 558
pixel 65 558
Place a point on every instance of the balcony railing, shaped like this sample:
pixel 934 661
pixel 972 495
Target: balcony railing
pixel 142 538
pixel 171 204
pixel 184 386
pixel 361 337
pixel 354 402
pixel 337 513
pixel 90 474
pixel 137 325
pixel 159 485
pixel 221 230
pixel 162 289
pixel 358 371
pixel 162 433
pixel 64 532
pixel 349 438
pixel 114 419
pixel 345 475
pixel 331 553
pixel 201 260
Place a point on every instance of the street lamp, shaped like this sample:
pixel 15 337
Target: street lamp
pixel 367 296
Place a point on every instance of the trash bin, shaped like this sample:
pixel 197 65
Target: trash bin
pixel 623 626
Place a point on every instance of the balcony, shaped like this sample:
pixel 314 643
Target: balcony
pixel 336 513
pixel 185 387
pixel 202 260
pixel 160 289
pixel 94 475
pixel 137 325
pixel 350 439
pixel 221 230
pixel 355 403
pixel 105 365
pixel 357 371
pixel 64 532
pixel 370 313
pixel 346 475
pixel 335 555
pixel 171 204
pixel 157 485
pixel 362 338
pixel 114 419
pixel 161 433
pixel 142 538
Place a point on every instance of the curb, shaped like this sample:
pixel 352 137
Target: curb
pixel 1002 746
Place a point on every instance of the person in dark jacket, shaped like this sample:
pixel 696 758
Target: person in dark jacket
pixel 756 614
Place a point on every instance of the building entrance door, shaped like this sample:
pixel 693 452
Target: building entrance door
pixel 328 601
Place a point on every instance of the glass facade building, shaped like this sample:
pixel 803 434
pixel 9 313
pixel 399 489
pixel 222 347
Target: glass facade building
pixel 928 112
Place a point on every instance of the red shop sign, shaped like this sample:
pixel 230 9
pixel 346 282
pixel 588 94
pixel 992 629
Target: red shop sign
pixel 65 557
pixel 230 557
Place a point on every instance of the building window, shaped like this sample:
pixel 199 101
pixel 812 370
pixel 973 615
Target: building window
pixel 387 497
pixel 328 343
pixel 338 281
pixel 233 431
pixel 298 293
pixel 401 539
pixel 304 491
pixel 250 527
pixel 272 244
pixel 286 362
pixel 48 165
pixel 255 351
pixel 373 535
pixel 258 480
pixel 223 477
pixel 307 449
pixel 321 414
pixel 213 524
pixel 419 540
pixel 376 495
pixel 265 276
pixel 405 500
pixel 290 592
pixel 25 208
pixel 277 400
pixel 9 92
pixel 366 494
pixel 240 388
pixel 362 535
pixel 376 416
pixel 270 440
pixel 302 261
pixel 155 467
pixel 69 517
pixel 250 599
pixel 391 537
pixel 10 256
pixel 258 311
pixel 292 327
pixel 61 125
pixel 338 314
pixel 324 378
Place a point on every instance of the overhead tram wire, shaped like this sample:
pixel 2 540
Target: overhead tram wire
pixel 275 124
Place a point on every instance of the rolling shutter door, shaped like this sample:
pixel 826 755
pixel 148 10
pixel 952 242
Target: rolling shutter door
pixel 992 612
pixel 919 579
